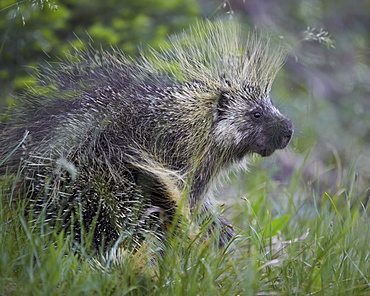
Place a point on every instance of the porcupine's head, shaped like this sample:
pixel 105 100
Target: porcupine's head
pixel 237 67
pixel 248 121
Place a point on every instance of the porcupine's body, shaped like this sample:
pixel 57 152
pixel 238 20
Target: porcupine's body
pixel 121 141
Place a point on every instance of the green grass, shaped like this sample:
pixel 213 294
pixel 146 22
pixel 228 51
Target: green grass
pixel 290 241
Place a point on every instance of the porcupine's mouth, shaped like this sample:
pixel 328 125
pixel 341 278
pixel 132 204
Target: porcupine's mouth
pixel 266 152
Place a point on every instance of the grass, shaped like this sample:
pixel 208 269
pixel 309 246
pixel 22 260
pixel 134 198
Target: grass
pixel 291 240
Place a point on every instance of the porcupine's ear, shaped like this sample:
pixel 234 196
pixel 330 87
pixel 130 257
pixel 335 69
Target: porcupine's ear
pixel 222 105
pixel 223 97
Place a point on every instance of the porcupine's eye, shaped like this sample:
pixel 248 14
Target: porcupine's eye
pixel 257 114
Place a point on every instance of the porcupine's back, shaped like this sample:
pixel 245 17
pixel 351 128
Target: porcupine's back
pixel 74 157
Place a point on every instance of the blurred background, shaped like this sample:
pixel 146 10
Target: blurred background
pixel 324 86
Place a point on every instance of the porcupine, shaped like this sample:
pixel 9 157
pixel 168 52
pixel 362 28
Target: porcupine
pixel 121 140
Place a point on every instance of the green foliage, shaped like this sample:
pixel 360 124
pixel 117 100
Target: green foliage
pixel 34 32
pixel 286 244
pixel 319 35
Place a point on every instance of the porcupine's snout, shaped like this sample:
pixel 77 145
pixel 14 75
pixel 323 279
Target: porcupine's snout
pixel 275 135
pixel 287 133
